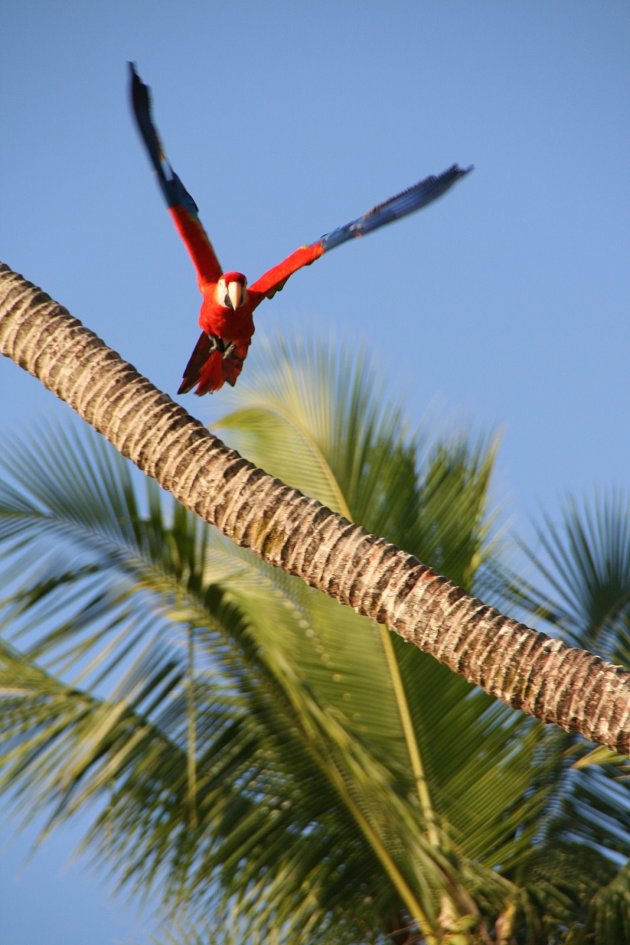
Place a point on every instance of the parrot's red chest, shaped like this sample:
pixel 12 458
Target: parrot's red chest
pixel 236 326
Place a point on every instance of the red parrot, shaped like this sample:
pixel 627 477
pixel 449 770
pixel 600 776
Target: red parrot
pixel 226 317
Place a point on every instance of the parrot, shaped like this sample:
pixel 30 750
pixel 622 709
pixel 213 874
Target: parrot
pixel 226 317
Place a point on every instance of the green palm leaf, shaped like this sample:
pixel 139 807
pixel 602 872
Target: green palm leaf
pixel 583 567
pixel 247 745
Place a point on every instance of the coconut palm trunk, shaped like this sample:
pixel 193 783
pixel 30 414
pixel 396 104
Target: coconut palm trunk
pixel 524 668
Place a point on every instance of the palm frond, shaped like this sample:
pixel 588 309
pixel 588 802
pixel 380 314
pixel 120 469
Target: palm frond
pixel 246 745
pixel 432 499
pixel 583 566
pixel 253 691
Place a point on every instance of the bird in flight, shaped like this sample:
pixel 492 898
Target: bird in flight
pixel 226 317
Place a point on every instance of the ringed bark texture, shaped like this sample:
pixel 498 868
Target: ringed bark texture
pixel 522 667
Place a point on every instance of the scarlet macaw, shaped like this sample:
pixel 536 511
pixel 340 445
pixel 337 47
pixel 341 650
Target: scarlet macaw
pixel 226 317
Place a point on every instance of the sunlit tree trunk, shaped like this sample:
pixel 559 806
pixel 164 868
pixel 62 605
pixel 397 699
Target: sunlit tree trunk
pixel 522 667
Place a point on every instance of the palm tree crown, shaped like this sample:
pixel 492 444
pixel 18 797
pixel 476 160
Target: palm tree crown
pixel 255 749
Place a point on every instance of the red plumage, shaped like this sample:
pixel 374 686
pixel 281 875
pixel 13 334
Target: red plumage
pixel 226 317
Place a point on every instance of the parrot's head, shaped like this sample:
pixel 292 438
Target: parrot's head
pixel 232 290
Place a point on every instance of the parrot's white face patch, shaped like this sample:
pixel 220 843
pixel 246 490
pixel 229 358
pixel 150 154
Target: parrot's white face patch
pixel 231 294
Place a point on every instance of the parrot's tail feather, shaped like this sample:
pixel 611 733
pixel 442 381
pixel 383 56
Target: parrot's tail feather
pixel 203 368
pixel 209 369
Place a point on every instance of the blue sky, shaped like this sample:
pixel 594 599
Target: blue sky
pixel 503 307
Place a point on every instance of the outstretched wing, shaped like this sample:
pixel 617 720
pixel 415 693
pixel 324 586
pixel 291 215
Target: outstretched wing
pixel 182 207
pixel 274 279
pixel 408 201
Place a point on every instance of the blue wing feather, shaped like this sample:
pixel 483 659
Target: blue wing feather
pixel 408 201
pixel 171 186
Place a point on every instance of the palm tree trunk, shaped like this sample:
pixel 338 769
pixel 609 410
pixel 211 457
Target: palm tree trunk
pixel 522 667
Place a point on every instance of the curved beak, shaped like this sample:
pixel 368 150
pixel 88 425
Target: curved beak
pixel 235 295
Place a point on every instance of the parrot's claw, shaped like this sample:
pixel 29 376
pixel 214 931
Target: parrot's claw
pixel 225 349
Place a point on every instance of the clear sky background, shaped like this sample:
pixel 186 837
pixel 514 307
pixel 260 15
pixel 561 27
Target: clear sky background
pixel 503 307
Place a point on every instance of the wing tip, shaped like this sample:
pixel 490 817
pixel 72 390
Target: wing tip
pixel 407 201
pixel 139 90
pixel 460 171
